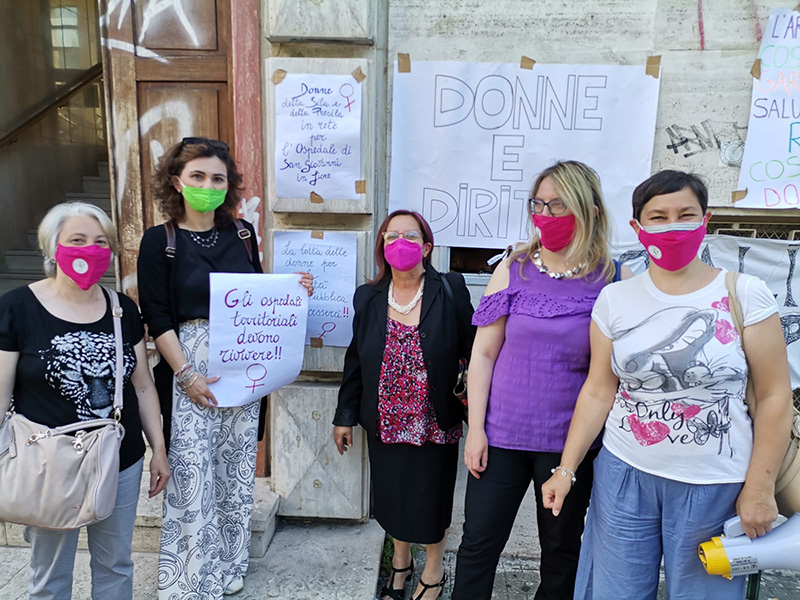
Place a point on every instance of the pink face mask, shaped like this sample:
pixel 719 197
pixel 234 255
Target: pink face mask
pixel 402 254
pixel 85 265
pixel 673 246
pixel 555 233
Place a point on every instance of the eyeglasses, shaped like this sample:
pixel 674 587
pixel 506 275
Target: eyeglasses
pixel 412 236
pixel 216 144
pixel 556 206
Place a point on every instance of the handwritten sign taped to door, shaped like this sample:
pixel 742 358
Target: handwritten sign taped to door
pixel 330 256
pixel 317 136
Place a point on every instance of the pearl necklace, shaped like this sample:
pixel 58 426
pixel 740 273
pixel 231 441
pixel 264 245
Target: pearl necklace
pixel 537 260
pixel 404 310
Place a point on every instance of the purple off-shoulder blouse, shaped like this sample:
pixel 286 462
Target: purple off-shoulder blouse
pixel 544 359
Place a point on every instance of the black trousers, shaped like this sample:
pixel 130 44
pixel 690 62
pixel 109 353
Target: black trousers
pixel 490 508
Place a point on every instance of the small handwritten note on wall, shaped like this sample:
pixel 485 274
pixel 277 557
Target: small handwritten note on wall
pixel 331 258
pixel 258 326
pixel 771 165
pixel 317 136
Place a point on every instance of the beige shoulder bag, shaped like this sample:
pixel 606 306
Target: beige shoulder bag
pixel 66 477
pixel 787 486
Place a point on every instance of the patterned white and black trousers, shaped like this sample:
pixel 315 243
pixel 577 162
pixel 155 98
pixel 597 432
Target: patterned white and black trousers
pixel 208 502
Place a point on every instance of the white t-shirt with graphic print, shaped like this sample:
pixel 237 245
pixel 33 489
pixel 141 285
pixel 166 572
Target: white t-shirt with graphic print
pixel 679 412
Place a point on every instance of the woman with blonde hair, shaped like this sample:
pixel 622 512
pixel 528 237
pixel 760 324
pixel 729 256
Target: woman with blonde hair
pixel 58 364
pixel 529 360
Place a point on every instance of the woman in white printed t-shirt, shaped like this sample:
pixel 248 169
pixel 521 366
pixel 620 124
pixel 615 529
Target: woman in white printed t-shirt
pixel 667 377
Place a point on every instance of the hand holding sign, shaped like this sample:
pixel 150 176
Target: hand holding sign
pixel 258 329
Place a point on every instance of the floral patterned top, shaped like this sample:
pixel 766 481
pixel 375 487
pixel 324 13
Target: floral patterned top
pixel 405 411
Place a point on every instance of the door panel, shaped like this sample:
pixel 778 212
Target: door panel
pixel 170 112
pixel 171 69
pixel 168 25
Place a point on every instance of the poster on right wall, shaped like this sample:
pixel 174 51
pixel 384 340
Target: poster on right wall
pixel 771 161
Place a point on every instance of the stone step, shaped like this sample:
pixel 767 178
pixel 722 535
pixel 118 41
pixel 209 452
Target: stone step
pixel 102 199
pixel 30 262
pixel 147 533
pixel 25 262
pixel 32 238
pixel 102 169
pixel 11 281
pixel 96 185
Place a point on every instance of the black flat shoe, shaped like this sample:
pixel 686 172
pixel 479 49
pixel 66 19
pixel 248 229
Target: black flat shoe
pixel 397 594
pixel 426 587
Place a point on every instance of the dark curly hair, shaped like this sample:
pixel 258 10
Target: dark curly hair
pixel 170 201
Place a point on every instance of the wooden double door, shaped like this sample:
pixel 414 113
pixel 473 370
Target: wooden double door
pixel 175 69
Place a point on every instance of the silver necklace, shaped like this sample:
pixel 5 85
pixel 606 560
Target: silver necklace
pixel 404 310
pixel 208 242
pixel 537 260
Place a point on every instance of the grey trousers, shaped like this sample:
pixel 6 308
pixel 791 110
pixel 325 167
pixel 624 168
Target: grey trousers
pixel 53 552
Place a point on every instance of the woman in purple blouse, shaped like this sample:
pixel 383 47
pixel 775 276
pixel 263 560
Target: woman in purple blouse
pixel 529 360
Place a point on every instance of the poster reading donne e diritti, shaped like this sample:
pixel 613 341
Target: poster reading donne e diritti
pixel 468 139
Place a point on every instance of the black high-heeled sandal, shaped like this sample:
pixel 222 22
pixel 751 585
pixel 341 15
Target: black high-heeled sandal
pixel 426 587
pixel 392 592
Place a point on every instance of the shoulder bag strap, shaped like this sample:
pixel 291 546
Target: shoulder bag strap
pixel 244 235
pixel 116 312
pixel 169 228
pixel 170 251
pixel 731 278
pixel 448 290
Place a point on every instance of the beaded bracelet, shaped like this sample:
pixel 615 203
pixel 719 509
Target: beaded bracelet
pixel 564 472
pixel 182 369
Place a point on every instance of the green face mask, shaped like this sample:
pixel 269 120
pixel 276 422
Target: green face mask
pixel 203 199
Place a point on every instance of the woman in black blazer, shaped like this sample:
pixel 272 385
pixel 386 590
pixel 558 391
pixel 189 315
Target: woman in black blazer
pixel 411 327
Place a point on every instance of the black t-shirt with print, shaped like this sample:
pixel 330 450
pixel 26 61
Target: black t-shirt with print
pixel 65 371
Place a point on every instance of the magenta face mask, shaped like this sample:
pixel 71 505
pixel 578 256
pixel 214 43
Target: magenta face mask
pixel 402 254
pixel 555 233
pixel 85 265
pixel 673 246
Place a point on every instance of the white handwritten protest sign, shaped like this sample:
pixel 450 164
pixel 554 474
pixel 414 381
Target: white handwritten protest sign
pixel 771 161
pixel 317 136
pixel 331 258
pixel 468 140
pixel 258 324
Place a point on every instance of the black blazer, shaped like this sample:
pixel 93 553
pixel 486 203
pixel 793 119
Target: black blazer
pixel 446 334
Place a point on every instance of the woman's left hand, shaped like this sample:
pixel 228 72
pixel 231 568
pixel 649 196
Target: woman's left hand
pixel 307 281
pixel 757 509
pixel 159 472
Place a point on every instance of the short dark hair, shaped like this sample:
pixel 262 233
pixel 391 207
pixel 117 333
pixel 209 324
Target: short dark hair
pixel 380 261
pixel 668 182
